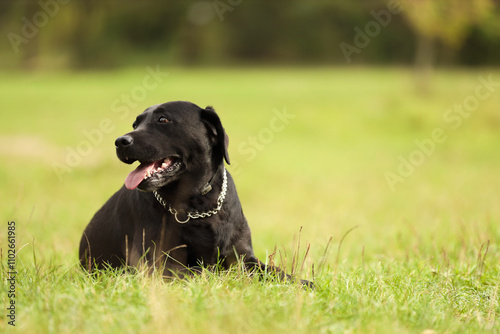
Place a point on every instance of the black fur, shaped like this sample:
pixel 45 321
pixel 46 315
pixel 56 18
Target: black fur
pixel 133 228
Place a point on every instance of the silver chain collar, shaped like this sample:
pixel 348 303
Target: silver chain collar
pixel 196 214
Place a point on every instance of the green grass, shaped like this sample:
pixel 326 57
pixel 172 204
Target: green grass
pixel 423 256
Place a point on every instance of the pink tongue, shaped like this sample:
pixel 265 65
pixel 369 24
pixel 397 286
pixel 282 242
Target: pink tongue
pixel 136 177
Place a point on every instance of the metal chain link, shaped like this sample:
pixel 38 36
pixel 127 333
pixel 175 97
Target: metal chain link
pixel 196 214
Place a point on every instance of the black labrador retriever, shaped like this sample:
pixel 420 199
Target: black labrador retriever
pixel 179 209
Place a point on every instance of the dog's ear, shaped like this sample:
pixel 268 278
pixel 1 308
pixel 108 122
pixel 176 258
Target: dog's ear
pixel 214 125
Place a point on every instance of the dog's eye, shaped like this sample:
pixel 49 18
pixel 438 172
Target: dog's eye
pixel 163 119
pixel 134 126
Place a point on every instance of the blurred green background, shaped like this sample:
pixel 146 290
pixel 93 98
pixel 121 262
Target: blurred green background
pixel 363 83
pixel 104 34
pixel 373 124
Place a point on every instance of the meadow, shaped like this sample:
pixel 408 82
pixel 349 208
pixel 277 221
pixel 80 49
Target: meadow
pixel 388 198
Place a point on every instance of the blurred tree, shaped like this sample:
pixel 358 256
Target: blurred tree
pixel 80 41
pixel 27 36
pixel 483 43
pixel 92 33
pixel 447 21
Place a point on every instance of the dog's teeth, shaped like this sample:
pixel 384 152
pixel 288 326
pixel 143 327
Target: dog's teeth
pixel 164 165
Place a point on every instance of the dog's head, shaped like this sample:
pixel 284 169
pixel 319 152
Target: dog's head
pixel 172 139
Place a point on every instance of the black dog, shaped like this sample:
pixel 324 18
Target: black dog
pixel 179 209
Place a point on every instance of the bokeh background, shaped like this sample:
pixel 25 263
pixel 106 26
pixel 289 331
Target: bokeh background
pixel 331 108
pixel 363 134
pixel 107 34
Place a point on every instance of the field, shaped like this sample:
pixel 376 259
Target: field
pixel 387 198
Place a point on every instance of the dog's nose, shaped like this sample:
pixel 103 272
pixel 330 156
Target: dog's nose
pixel 124 141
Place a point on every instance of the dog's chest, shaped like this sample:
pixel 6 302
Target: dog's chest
pixel 200 240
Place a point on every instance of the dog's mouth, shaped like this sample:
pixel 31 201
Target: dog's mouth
pixel 148 171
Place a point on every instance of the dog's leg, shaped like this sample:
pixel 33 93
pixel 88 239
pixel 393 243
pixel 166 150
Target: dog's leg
pixel 253 264
pixel 171 255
